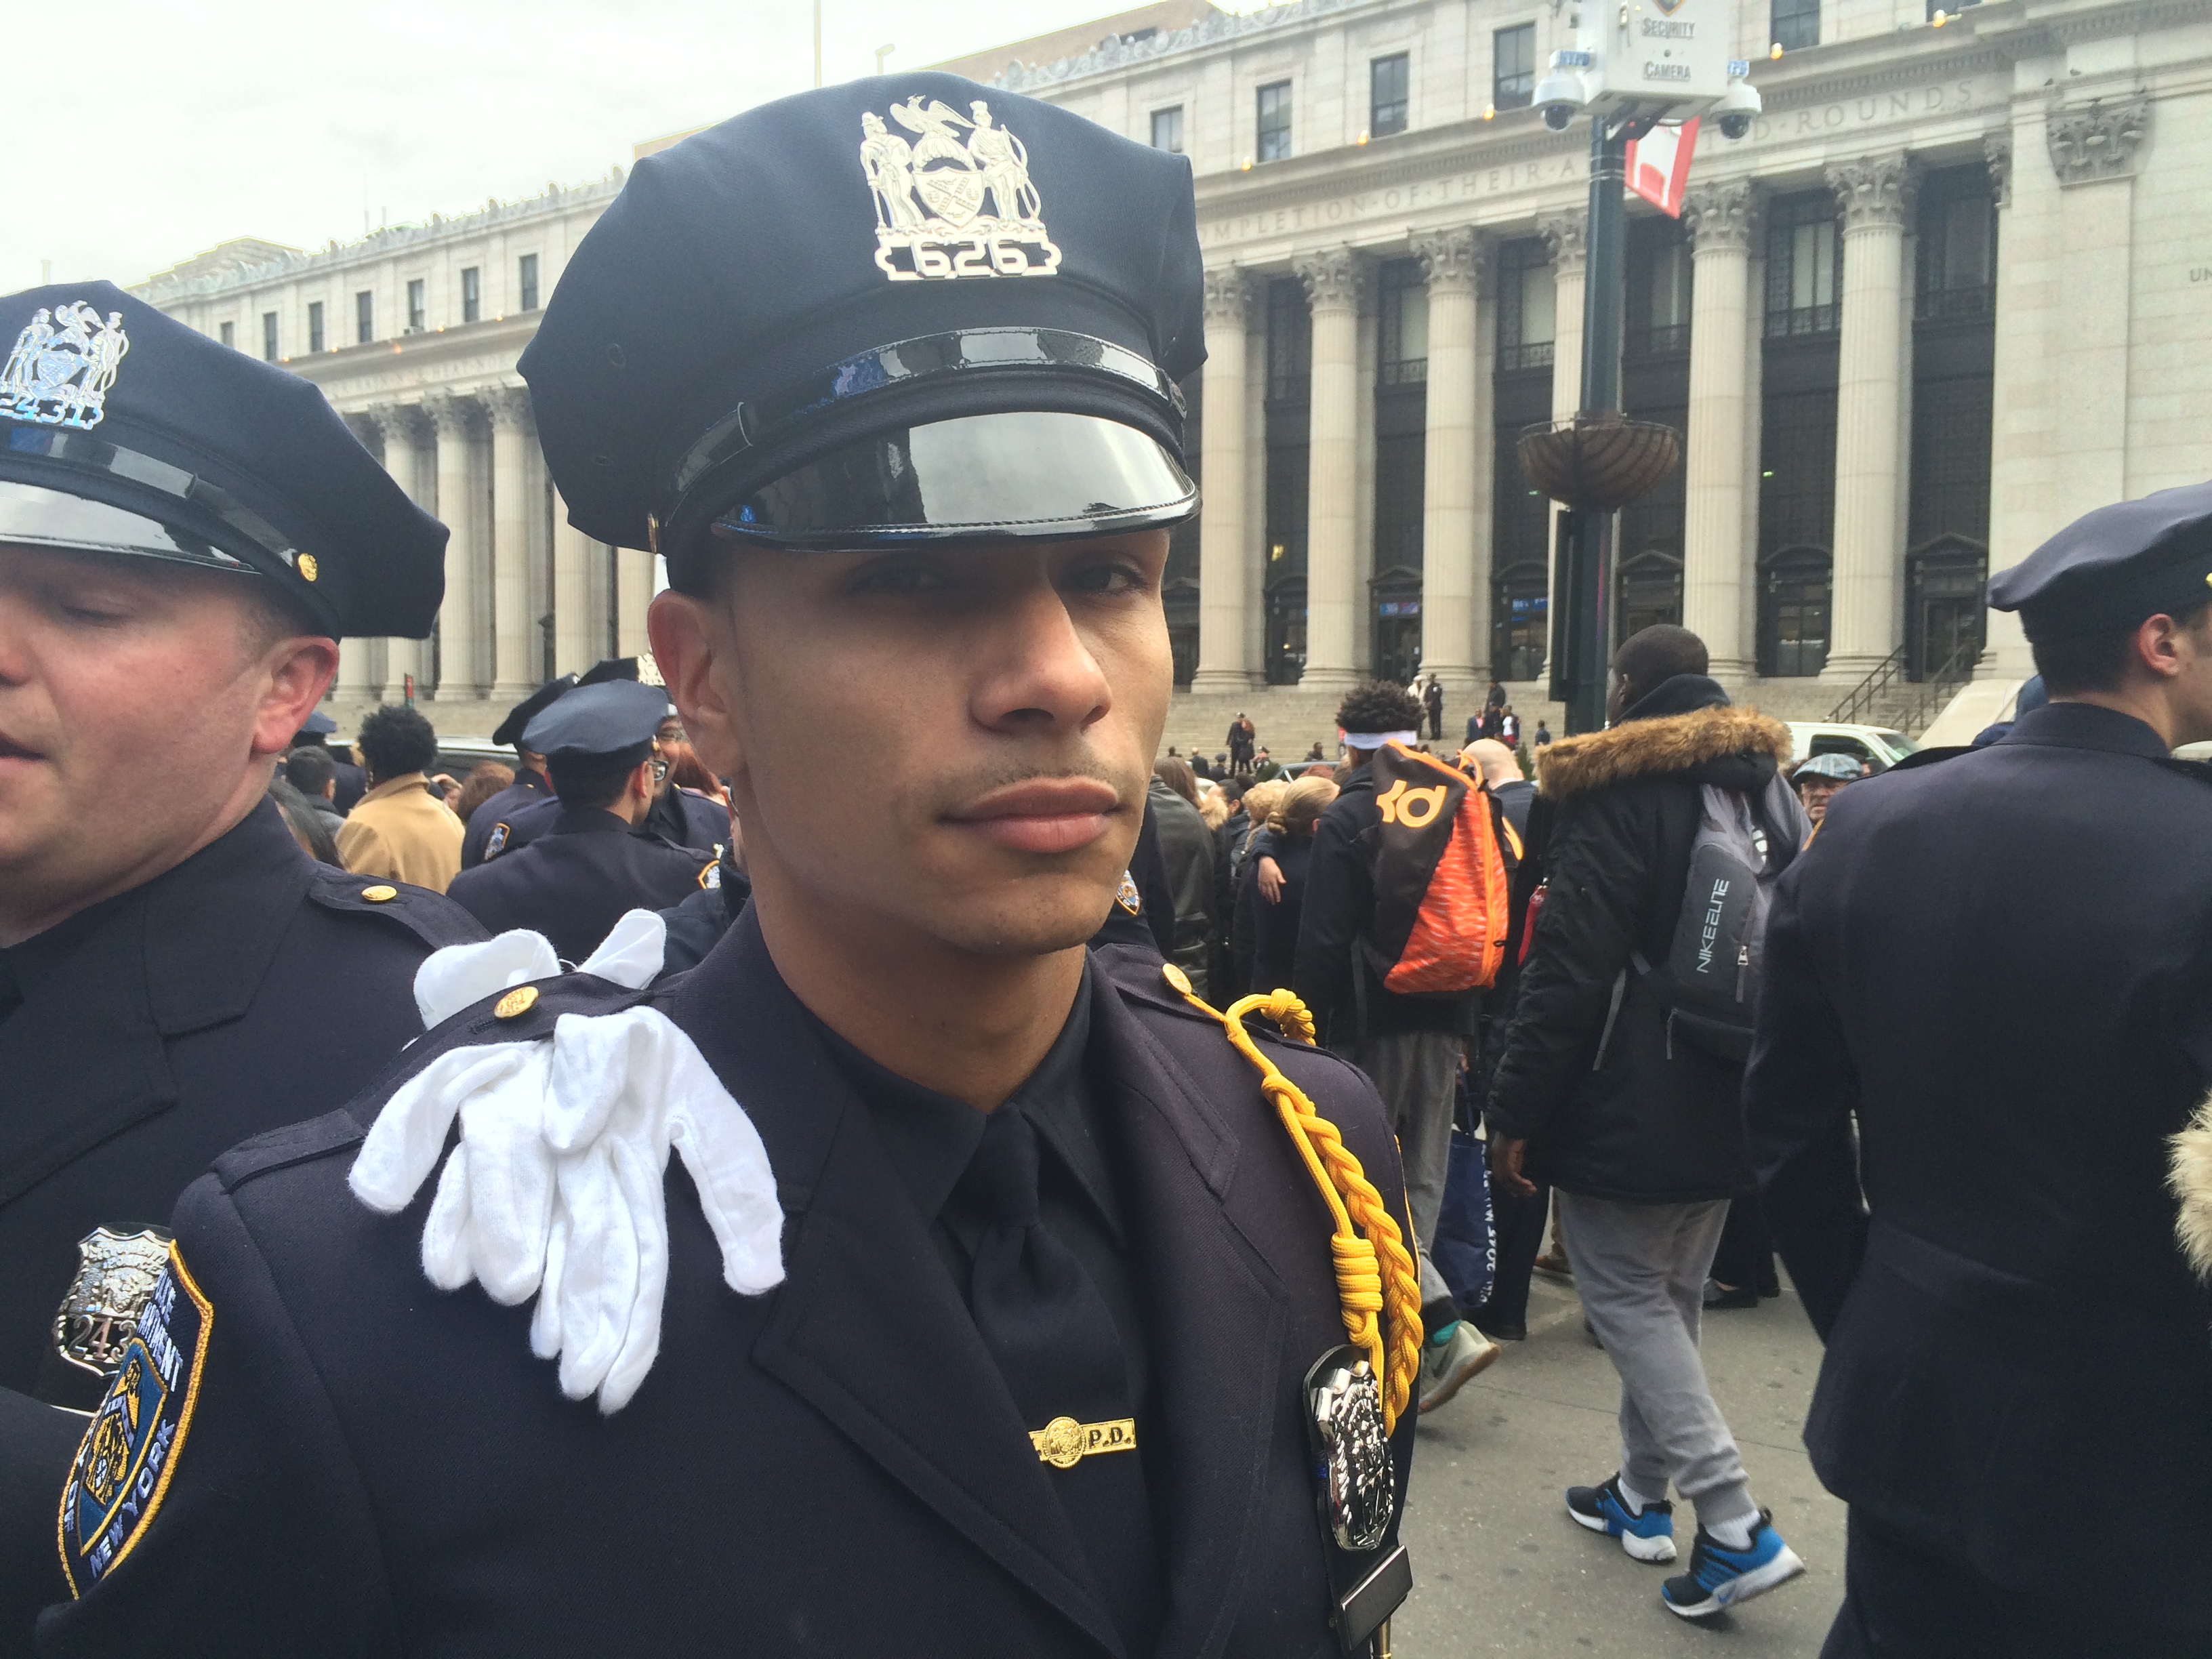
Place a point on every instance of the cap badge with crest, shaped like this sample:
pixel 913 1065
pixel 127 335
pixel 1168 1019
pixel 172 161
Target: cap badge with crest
pixel 62 363
pixel 931 196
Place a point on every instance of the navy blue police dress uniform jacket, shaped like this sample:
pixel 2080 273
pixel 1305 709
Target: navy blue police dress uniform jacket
pixel 576 879
pixel 682 817
pixel 528 790
pixel 248 988
pixel 2002 964
pixel 833 1467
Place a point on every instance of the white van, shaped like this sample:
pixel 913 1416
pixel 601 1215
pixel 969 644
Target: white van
pixel 1879 747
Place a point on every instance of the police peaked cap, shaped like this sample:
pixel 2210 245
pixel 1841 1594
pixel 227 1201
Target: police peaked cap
pixel 123 430
pixel 510 729
pixel 609 721
pixel 759 329
pixel 2115 567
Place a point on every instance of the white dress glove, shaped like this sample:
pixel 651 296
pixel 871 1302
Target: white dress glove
pixel 555 1189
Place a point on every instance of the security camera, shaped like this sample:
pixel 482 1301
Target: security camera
pixel 1736 109
pixel 1560 98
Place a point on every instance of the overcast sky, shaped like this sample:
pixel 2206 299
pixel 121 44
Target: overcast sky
pixel 183 126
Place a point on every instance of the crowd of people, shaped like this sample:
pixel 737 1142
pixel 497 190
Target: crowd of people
pixel 1067 1241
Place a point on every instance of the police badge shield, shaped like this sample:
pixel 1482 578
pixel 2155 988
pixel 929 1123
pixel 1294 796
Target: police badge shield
pixel 1368 1577
pixel 124 1464
pixel 61 365
pixel 116 1273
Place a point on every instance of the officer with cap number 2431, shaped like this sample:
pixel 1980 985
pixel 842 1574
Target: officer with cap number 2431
pixel 1998 964
pixel 185 534
pixel 1013 1301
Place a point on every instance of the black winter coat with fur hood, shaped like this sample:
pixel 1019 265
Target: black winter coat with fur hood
pixel 1616 813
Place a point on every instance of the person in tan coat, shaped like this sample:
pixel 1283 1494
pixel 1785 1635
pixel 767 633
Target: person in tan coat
pixel 402 830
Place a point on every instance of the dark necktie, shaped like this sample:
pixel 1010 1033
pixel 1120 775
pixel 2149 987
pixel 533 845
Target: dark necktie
pixel 1055 1344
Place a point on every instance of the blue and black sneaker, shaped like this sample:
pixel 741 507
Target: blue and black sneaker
pixel 1648 1535
pixel 1719 1576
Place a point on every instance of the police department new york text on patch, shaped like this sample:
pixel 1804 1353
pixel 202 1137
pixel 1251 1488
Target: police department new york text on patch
pixel 123 1467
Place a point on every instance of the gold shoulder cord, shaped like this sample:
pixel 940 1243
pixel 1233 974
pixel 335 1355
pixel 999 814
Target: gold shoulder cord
pixel 1362 1288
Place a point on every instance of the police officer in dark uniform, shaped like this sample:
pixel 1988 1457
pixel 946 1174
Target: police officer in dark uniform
pixel 1000 1308
pixel 1999 962
pixel 184 535
pixel 492 825
pixel 352 780
pixel 677 816
pixel 586 867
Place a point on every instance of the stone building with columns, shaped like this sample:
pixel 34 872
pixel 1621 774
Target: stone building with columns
pixel 1954 290
pixel 413 333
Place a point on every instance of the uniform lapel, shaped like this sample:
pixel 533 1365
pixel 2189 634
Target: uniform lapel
pixel 1218 1315
pixel 91 1024
pixel 867 1327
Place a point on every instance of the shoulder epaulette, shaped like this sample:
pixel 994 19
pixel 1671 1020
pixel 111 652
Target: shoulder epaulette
pixel 280 1149
pixel 1936 757
pixel 431 917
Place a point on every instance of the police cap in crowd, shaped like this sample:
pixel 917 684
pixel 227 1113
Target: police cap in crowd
pixel 902 309
pixel 123 430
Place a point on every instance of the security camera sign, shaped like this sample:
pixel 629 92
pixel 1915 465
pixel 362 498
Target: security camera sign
pixel 1650 51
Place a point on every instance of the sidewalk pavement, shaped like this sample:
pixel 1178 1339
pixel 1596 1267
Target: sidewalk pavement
pixel 1499 1569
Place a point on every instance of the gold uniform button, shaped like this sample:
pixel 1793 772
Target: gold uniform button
pixel 307 567
pixel 521 1000
pixel 1176 978
pixel 379 894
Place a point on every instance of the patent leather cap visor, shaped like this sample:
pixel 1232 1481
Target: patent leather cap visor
pixel 1017 475
pixel 33 516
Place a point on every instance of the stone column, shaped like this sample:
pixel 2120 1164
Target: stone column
pixel 1223 663
pixel 456 420
pixel 1875 195
pixel 1722 219
pixel 1452 261
pixel 361 663
pixel 515 629
pixel 634 573
pixel 573 641
pixel 401 426
pixel 1334 281
pixel 1566 236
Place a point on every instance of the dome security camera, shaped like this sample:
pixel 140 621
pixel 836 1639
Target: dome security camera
pixel 1560 98
pixel 1735 111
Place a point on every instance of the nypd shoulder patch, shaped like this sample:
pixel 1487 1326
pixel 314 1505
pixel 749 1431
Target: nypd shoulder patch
pixel 1127 896
pixel 710 879
pixel 123 1467
pixel 495 843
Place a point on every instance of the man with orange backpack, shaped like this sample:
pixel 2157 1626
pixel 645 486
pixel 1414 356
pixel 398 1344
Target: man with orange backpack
pixel 1404 923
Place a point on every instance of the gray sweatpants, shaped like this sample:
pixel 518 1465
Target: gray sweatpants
pixel 1641 1269
pixel 1417 1072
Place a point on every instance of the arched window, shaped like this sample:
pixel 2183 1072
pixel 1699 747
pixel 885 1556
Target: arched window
pixel 1794 604
pixel 1943 607
pixel 1650 592
pixel 1397 600
pixel 1520 621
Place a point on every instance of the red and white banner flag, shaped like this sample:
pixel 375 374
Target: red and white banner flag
pixel 1659 165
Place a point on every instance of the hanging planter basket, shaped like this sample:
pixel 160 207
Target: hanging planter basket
pixel 1599 462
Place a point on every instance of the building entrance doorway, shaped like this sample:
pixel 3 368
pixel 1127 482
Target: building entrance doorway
pixel 1286 631
pixel 1943 607
pixel 1794 602
pixel 1397 599
pixel 1650 592
pixel 1520 621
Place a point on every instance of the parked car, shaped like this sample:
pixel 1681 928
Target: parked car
pixel 1878 746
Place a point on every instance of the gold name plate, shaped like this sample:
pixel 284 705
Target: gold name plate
pixel 1063 1442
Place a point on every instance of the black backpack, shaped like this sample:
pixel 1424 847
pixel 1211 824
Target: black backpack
pixel 1709 983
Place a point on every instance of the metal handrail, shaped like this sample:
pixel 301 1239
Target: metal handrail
pixel 1883 675
pixel 1958 668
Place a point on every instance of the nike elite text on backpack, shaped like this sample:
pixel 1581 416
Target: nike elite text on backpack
pixel 1442 903
pixel 1709 983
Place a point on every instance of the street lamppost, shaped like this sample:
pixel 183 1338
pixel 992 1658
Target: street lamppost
pixel 1642 65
